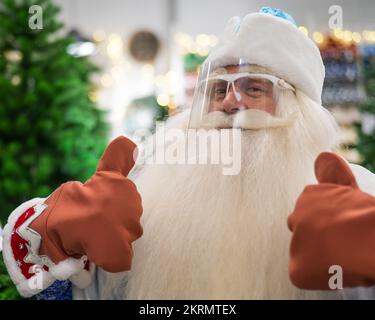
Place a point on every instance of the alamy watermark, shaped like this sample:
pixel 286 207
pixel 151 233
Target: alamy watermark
pixel 336 19
pixel 36 282
pixel 36 17
pixel 335 282
pixel 193 146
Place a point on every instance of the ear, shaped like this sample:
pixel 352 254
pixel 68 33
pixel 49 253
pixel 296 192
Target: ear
pixel 120 156
pixel 331 168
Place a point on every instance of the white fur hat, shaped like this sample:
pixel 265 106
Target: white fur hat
pixel 272 40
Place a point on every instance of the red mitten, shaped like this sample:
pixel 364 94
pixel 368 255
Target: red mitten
pixel 96 221
pixel 333 223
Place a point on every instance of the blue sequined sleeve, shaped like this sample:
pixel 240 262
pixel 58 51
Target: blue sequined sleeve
pixel 59 290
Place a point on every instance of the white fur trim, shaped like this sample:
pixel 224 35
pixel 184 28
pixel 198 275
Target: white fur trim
pixel 72 269
pixel 69 268
pixel 276 44
pixel 66 268
pixel 26 287
pixel 84 278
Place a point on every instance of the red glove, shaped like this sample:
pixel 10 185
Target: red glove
pixel 97 221
pixel 333 223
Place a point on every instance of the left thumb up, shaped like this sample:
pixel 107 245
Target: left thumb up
pixel 331 168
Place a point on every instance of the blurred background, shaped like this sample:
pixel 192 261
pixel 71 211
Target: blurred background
pixel 101 68
pixel 149 52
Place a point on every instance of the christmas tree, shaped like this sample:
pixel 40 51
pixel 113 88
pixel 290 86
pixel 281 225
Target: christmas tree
pixel 366 130
pixel 50 131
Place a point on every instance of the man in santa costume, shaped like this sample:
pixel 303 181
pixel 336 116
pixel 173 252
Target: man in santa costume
pixel 206 235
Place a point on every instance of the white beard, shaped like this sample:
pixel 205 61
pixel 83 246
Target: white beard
pixel 211 236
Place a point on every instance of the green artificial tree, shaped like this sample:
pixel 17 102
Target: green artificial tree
pixel 50 131
pixel 366 130
pixel 192 61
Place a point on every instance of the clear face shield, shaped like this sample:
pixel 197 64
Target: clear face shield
pixel 238 96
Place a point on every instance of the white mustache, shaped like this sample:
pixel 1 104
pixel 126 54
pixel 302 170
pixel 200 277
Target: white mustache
pixel 217 120
pixel 245 119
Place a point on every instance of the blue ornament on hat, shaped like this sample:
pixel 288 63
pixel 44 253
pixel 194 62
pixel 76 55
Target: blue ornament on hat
pixel 278 13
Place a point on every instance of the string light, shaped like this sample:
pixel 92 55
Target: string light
pixel 183 39
pixel 106 80
pixel 16 80
pixel 203 40
pixel 115 46
pixel 94 95
pixel 338 33
pixel 318 37
pixel 163 99
pixel 304 30
pixel 356 37
pixel 99 36
pixel 200 45
pixel 13 55
pixel 348 36
pixel 366 35
pixel 171 106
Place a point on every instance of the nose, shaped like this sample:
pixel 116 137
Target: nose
pixel 230 102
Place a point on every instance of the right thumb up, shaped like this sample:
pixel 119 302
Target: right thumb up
pixel 99 219
pixel 120 156
pixel 96 221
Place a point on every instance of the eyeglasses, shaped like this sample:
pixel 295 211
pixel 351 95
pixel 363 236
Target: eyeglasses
pixel 253 85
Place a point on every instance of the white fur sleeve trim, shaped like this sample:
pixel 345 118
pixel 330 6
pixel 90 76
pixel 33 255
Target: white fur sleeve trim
pixel 83 279
pixel 26 287
pixel 70 268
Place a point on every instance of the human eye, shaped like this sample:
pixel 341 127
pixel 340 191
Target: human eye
pixel 219 90
pixel 254 91
pixel 254 88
